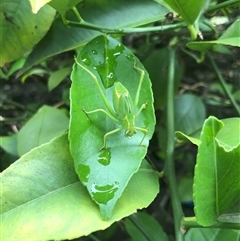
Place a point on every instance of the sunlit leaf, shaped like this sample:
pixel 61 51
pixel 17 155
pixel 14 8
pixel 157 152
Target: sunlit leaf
pixel 38 4
pixel 21 29
pixel 43 199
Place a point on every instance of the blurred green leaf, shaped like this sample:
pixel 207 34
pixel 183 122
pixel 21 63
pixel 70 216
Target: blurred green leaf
pixel 188 10
pixel 211 234
pixel 34 71
pixel 57 77
pixel 143 227
pixel 46 124
pixel 9 144
pixel 41 193
pixel 97 169
pixel 17 65
pixel 157 67
pixel 195 139
pixel 230 37
pixel 62 6
pixel 185 189
pixel 189 112
pixel 21 29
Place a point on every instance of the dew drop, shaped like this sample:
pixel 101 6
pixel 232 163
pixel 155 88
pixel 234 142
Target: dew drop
pixel 95 52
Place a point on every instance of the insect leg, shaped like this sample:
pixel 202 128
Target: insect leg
pixel 108 134
pixel 103 111
pixel 142 74
pixel 142 108
pixel 108 106
pixel 144 131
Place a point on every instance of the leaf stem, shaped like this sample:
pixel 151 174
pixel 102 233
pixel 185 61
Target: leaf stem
pixel 103 29
pixel 191 222
pixel 224 84
pixel 222 5
pixel 169 168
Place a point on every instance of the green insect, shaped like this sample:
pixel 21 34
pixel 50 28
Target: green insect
pixel 124 111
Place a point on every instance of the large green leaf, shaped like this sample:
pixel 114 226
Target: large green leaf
pixel 115 14
pixel 42 198
pixel 46 124
pixel 216 175
pixel 21 29
pixel 230 37
pixel 106 173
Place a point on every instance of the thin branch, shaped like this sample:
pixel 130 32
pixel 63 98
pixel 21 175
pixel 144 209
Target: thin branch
pixel 224 84
pixel 191 222
pixel 169 168
pixel 222 5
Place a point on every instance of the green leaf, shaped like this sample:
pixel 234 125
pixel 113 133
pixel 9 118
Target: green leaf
pixel 189 10
pixel 97 169
pixel 189 112
pixel 46 124
pixel 229 136
pixel 216 175
pixel 193 138
pixel 41 191
pixel 143 227
pixel 211 234
pixel 57 77
pixel 9 144
pixel 185 189
pixel 38 4
pixel 21 29
pixel 157 65
pixel 114 14
pixel 230 37
pixel 228 178
pixel 62 6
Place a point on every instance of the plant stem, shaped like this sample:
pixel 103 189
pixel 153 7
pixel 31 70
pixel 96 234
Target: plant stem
pixel 224 84
pixel 83 24
pixel 191 222
pixel 169 168
pixel 222 5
